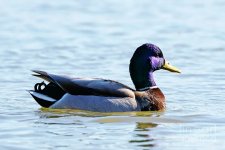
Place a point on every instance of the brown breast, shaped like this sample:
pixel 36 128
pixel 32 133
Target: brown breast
pixel 151 100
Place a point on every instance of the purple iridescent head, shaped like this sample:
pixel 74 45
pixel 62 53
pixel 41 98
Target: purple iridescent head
pixel 145 60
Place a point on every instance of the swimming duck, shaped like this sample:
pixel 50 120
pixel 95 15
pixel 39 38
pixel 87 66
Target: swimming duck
pixel 101 95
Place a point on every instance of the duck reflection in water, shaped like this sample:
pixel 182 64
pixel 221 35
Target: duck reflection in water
pixel 142 137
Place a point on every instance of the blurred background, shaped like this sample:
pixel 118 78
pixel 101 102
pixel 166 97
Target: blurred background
pixel 95 38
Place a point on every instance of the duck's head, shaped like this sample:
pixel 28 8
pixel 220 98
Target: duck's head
pixel 145 60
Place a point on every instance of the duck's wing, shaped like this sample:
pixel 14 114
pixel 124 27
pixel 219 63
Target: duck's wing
pixel 87 86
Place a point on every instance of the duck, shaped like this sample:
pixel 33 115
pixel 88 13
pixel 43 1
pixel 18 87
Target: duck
pixel 103 95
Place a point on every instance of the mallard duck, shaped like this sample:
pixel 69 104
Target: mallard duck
pixel 101 95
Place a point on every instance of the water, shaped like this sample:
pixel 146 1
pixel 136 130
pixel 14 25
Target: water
pixel 96 39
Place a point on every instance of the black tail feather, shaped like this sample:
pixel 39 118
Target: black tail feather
pixel 43 75
pixel 41 101
pixel 53 90
pixel 46 95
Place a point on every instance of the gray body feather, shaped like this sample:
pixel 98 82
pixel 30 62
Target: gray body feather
pixel 97 103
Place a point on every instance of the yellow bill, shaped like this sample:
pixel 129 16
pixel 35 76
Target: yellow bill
pixel 171 68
